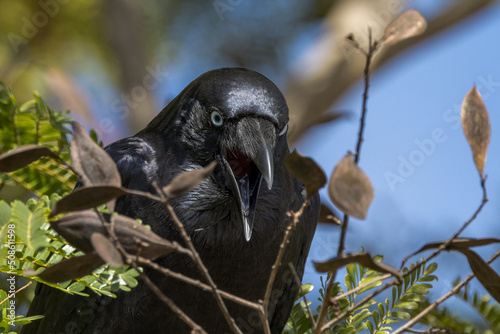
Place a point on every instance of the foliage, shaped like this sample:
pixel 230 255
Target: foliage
pixel 37 245
pixel 34 123
pixel 488 310
pixel 372 316
pixel 6 322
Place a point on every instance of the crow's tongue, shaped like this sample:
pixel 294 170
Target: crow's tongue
pixel 240 164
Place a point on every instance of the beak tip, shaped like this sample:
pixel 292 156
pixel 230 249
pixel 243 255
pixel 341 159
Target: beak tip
pixel 247 231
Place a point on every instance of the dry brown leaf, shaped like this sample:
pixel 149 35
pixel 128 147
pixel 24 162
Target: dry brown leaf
pixel 78 227
pixel 362 258
pixel 70 268
pixel 87 198
pixel 106 250
pixel 476 125
pixel 23 156
pixel 350 189
pixel 307 171
pixel 92 163
pixel 186 181
pixel 327 216
pixel 409 24
pixel 484 273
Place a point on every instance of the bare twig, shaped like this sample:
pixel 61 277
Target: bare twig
pixel 302 292
pixel 281 253
pixel 15 292
pixel 372 49
pixel 415 319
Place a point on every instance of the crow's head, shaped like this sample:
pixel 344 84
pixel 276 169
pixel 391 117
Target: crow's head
pixel 237 117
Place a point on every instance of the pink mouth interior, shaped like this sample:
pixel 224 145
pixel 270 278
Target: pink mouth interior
pixel 240 164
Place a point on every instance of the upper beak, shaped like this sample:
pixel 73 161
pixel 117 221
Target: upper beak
pixel 245 180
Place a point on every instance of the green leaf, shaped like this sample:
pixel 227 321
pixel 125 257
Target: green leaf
pixel 407 305
pixel 28 224
pixel 369 325
pixel 399 315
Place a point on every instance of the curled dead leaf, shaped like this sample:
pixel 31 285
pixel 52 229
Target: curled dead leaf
pixel 409 24
pixel 307 171
pixel 350 189
pixel 476 125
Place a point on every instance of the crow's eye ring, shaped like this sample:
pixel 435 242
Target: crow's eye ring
pixel 217 119
pixel 282 132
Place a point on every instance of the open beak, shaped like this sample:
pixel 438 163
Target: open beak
pixel 245 171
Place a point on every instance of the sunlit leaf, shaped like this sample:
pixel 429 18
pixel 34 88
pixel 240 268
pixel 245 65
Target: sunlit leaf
pixel 409 24
pixel 476 125
pixel 28 224
pixel 350 189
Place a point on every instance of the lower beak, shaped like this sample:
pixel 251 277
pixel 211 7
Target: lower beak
pixel 245 177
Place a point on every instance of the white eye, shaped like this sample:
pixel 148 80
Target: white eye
pixel 284 130
pixel 216 118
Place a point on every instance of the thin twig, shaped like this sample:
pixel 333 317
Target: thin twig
pixel 372 49
pixel 281 253
pixel 13 294
pixel 415 319
pixel 143 193
pixel 297 280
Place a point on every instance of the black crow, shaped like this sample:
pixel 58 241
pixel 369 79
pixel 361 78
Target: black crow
pixel 236 218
